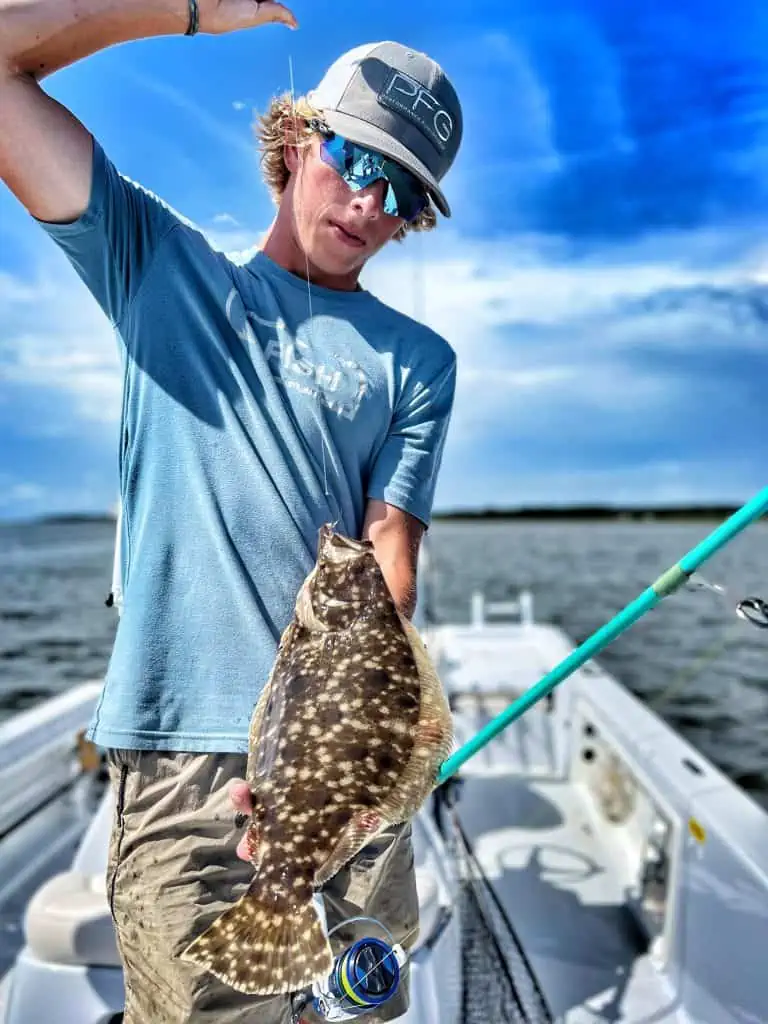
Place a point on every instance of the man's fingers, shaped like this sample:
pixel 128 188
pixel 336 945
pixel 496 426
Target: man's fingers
pixel 242 801
pixel 269 11
pixel 240 795
pixel 243 850
pixel 221 16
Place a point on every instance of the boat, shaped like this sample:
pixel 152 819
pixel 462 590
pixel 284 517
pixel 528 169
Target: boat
pixel 586 865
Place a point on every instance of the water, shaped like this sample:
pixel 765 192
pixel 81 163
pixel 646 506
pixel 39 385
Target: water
pixel 707 666
pixel 581 574
pixel 55 630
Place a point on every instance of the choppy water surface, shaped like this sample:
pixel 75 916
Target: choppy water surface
pixel 55 630
pixel 581 574
pixel 54 627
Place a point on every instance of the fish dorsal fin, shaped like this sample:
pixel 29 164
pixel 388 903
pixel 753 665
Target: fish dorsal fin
pixel 425 667
pixel 434 703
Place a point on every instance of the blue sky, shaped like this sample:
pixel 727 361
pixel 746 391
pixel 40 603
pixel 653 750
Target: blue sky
pixel 603 279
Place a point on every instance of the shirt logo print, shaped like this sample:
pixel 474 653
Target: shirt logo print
pixel 337 383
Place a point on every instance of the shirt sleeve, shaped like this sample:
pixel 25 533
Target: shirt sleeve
pixel 406 467
pixel 112 243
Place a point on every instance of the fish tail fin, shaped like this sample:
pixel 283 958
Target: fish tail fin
pixel 264 945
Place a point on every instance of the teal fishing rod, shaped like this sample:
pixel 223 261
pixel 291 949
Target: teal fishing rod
pixel 666 584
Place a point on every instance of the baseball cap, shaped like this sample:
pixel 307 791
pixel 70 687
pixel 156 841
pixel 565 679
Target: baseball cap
pixel 398 102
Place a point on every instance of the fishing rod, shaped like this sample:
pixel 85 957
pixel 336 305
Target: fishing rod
pixel 752 609
pixel 366 974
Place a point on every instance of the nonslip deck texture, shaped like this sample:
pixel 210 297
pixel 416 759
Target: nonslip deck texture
pixel 538 844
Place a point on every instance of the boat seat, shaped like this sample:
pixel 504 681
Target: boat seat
pixel 68 922
pixel 68 919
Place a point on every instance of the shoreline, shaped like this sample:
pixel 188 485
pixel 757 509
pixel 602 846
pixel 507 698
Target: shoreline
pixel 532 513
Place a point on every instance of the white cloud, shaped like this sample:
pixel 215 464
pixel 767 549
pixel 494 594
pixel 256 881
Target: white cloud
pixel 84 492
pixel 21 493
pixel 55 337
pixel 547 345
pixel 534 331
pixel 227 234
pixel 532 280
pixel 651 482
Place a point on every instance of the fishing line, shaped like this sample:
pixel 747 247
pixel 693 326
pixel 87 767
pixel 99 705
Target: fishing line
pixel 329 495
pixel 388 933
pixel 297 192
pixel 343 994
pixel 752 610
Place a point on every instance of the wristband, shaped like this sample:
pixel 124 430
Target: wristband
pixel 194 18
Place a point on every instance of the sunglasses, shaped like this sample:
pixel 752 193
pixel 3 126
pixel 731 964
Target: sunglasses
pixel 360 167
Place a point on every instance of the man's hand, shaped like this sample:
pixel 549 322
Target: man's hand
pixel 220 16
pixel 240 795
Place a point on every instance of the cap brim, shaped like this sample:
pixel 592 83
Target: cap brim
pixel 366 134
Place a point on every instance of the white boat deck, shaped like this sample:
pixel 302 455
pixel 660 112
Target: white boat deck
pixel 537 840
pixel 634 874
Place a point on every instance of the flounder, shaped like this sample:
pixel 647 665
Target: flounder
pixel 346 740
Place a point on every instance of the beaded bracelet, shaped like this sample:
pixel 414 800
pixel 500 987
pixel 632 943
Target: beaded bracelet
pixel 194 18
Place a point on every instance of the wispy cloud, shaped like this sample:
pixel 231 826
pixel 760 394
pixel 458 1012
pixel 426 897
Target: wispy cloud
pixel 20 492
pixel 560 359
pixel 56 338
pixel 82 491
pixel 473 293
pixel 239 143
pixel 227 234
pixel 606 373
pixel 507 484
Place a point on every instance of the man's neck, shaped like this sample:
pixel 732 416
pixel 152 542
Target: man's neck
pixel 283 248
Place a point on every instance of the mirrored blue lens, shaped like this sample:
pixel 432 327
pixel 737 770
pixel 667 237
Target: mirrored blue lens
pixel 360 167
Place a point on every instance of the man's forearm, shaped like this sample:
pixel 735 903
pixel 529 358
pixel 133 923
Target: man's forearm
pixel 38 37
pixel 401 582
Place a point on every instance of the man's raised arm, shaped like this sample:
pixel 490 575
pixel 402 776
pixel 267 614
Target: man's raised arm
pixel 45 152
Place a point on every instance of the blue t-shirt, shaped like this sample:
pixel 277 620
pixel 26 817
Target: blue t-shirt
pixel 246 424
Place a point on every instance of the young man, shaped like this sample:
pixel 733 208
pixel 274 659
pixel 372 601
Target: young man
pixel 261 400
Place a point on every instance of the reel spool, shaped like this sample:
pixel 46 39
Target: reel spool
pixel 364 976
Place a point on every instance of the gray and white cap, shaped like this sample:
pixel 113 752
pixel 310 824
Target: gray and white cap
pixel 398 102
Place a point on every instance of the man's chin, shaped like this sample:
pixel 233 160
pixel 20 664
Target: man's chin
pixel 336 264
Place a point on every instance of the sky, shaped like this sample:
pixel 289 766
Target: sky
pixel 603 280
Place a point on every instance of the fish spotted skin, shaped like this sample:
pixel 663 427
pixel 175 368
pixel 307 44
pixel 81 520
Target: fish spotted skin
pixel 346 740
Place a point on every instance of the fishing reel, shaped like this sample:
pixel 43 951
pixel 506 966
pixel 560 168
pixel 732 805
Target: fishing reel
pixel 364 976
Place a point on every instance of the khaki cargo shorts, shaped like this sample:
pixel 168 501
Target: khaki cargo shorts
pixel 172 869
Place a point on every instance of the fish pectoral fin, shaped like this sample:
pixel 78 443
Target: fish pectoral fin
pixel 264 944
pixel 436 724
pixel 358 833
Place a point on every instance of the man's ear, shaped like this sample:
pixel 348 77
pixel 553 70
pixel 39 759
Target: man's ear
pixel 292 144
pixel 291 157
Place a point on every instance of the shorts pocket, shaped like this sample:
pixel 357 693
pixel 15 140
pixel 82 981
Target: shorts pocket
pixel 119 772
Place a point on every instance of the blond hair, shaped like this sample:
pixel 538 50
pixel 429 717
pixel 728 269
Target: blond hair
pixel 287 124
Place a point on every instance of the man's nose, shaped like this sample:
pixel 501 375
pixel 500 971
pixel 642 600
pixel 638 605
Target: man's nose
pixel 369 201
